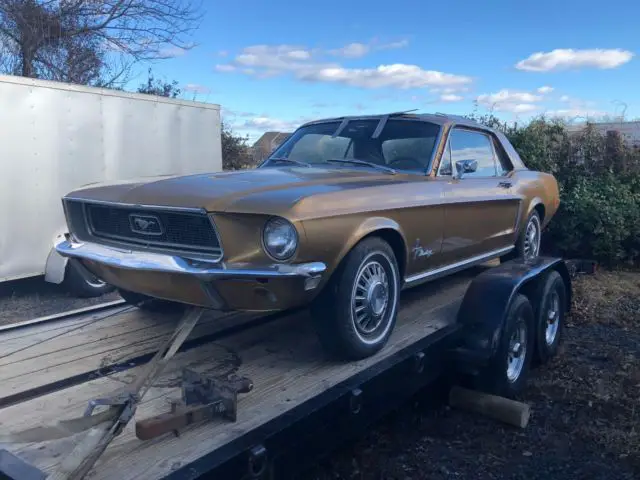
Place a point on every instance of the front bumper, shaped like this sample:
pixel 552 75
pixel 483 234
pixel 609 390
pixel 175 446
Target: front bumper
pixel 196 281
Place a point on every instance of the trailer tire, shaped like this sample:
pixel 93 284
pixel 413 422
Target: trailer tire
pixel 495 378
pixel 342 318
pixel 150 304
pixel 550 316
pixel 77 284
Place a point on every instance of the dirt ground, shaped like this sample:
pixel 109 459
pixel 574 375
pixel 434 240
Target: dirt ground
pixel 585 421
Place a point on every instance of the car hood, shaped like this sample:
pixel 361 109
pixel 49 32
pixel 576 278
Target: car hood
pixel 257 190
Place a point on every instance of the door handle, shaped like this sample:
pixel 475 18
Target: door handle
pixel 505 184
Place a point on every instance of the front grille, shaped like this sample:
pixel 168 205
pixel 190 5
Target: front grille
pixel 166 229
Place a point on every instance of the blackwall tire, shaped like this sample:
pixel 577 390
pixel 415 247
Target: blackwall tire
pixel 78 285
pixel 550 317
pixel 356 313
pixel 527 247
pixel 150 304
pixel 508 371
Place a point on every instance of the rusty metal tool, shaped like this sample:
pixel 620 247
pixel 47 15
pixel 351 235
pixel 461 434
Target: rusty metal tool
pixel 203 398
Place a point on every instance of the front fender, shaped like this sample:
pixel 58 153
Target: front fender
pixel 367 227
pixel 484 307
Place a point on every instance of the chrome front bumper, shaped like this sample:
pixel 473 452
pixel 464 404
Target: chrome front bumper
pixel 302 277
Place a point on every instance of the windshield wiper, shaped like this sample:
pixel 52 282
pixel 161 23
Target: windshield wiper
pixel 362 162
pixel 283 159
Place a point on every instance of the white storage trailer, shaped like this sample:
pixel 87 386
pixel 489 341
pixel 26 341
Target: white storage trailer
pixel 57 137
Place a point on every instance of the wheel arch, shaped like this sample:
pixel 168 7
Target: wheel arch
pixel 487 301
pixel 386 228
pixel 537 205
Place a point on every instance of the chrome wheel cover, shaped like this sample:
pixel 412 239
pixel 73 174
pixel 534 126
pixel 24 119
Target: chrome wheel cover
pixel 532 238
pixel 517 352
pixel 553 319
pixel 373 298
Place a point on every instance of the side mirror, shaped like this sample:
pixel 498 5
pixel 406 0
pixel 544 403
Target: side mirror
pixel 466 166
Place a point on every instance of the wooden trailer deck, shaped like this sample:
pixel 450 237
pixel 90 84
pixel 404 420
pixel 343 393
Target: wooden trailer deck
pixel 56 378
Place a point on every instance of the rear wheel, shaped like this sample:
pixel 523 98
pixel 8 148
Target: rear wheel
pixel 356 312
pixel 528 243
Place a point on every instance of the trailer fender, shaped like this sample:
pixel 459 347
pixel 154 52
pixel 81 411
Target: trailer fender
pixel 56 265
pixel 484 307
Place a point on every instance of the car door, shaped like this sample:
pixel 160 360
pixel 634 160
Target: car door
pixel 480 204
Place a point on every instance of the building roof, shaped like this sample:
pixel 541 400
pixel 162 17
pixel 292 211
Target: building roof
pixel 268 138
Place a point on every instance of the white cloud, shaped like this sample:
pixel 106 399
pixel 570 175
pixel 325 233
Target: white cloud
pixel 572 113
pixel 265 123
pixel 358 49
pixel 265 61
pixel 512 101
pixel 392 45
pixel 353 50
pixel 277 58
pixel 565 98
pixel 171 52
pixel 225 68
pixel 398 75
pixel 195 88
pixel 544 90
pixel 507 96
pixel 567 58
pixel 451 97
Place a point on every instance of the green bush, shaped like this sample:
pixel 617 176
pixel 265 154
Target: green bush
pixel 599 179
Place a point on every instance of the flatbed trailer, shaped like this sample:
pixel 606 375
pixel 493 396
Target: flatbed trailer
pixel 302 404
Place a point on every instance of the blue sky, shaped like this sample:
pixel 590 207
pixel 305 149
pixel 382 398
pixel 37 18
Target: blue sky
pixel 272 65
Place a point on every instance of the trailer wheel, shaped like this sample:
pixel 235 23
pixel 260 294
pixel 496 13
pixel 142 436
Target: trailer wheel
pixel 356 312
pixel 147 303
pixel 550 317
pixel 507 373
pixel 84 284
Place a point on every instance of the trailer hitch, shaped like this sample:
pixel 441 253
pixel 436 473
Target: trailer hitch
pixel 204 397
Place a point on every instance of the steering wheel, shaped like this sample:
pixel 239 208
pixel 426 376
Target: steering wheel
pixel 415 162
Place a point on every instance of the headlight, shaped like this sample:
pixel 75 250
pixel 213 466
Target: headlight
pixel 280 238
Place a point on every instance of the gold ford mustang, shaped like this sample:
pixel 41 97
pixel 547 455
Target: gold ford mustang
pixel 341 217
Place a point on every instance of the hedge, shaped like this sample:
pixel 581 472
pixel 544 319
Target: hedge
pixel 599 178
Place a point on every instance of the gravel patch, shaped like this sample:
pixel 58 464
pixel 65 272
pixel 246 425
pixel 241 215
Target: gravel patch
pixel 31 298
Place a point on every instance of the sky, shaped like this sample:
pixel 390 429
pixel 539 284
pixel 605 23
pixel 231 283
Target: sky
pixel 272 65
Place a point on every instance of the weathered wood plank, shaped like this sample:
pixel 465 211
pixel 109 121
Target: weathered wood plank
pixel 91 347
pixel 283 358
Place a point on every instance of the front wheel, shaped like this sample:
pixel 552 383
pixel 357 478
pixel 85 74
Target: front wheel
pixel 147 303
pixel 82 283
pixel 356 313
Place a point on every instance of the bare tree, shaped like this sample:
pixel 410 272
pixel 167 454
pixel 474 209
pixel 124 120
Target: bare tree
pixel 91 41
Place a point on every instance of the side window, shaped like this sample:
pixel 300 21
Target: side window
pixel 503 163
pixel 468 145
pixel 444 169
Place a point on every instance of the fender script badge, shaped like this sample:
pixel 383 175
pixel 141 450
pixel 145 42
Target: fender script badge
pixel 419 251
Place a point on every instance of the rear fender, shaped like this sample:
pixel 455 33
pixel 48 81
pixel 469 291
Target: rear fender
pixel 484 307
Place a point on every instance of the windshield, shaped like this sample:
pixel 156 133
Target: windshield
pixel 404 145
